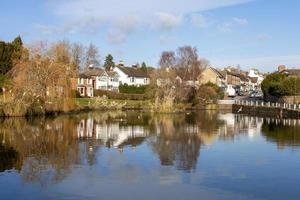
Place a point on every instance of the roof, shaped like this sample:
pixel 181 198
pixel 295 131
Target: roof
pixel 112 73
pixel 93 72
pixel 242 77
pixel 81 75
pixel 291 72
pixel 233 74
pixel 253 79
pixel 134 72
pixel 219 73
pixel 97 72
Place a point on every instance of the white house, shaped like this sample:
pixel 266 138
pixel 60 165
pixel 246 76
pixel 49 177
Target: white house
pixel 132 76
pixel 256 78
pixel 102 80
pixel 107 81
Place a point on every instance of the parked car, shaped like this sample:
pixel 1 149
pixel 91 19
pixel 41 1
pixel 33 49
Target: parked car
pixel 255 94
pixel 259 95
pixel 231 91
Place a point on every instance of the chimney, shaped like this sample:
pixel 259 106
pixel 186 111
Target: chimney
pixel 281 68
pixel 121 63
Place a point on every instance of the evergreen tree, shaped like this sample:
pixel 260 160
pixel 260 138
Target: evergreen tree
pixel 10 53
pixel 109 62
pixel 18 47
pixel 144 66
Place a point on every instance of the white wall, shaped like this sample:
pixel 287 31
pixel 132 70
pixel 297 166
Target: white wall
pixel 107 83
pixel 137 81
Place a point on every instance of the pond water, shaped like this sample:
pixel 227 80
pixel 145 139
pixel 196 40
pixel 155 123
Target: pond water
pixel 132 155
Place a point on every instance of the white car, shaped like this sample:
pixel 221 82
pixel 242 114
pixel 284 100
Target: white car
pixel 230 91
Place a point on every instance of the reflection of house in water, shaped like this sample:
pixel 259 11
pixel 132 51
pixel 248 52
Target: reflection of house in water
pixel 239 124
pixel 111 134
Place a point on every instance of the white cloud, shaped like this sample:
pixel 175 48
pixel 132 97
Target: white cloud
pixel 240 21
pixel 226 27
pixel 167 21
pixel 122 27
pixel 116 37
pixel 84 25
pixel 115 8
pixel 199 21
pixel 229 25
pixel 125 17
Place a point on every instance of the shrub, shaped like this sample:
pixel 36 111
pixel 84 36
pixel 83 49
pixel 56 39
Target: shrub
pixel 281 85
pixel 130 89
pixel 209 93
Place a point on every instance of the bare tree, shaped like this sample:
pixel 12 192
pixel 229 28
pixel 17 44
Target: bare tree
pixel 60 52
pixel 188 63
pixel 77 56
pixel 167 59
pixel 92 56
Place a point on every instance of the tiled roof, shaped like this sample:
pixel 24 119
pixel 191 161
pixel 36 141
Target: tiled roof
pixel 219 73
pixel 112 74
pixel 134 72
pixel 93 72
pixel 292 72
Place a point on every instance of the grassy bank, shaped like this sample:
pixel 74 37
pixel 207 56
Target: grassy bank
pixel 114 103
pixel 101 103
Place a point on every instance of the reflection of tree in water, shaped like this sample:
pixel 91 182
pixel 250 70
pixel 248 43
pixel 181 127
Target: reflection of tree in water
pixel 8 158
pixel 283 135
pixel 180 137
pixel 46 149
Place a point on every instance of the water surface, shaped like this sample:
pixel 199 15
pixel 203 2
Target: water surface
pixel 131 155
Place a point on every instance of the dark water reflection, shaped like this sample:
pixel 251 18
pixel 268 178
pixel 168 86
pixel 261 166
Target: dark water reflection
pixel 132 155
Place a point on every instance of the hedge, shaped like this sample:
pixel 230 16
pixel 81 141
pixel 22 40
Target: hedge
pixel 130 89
pixel 281 85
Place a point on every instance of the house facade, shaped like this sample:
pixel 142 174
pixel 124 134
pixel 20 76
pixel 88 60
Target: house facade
pixel 255 78
pixel 132 76
pixel 95 79
pixel 107 81
pixel 212 75
pixel 85 85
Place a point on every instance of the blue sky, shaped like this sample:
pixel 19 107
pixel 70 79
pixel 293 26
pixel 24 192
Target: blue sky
pixel 251 33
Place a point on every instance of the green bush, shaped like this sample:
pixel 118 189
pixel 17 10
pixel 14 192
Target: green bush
pixel 219 91
pixel 281 85
pixel 130 89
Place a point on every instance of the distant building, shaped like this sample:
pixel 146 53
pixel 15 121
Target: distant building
pixel 233 78
pixel 255 79
pixel 95 79
pixel 290 72
pixel 132 76
pixel 214 76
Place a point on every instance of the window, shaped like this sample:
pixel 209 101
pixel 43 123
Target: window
pixel 132 79
pixel 145 80
pixel 102 78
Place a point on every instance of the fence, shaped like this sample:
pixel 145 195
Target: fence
pixel 268 104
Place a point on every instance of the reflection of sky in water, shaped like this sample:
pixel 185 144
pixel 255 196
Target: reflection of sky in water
pixel 210 157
